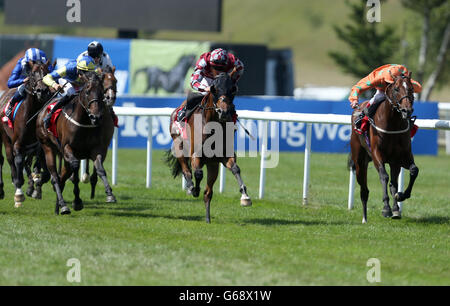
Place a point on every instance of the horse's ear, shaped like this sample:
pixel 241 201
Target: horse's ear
pixel 29 65
pixel 213 90
pixel 234 90
pixel 233 72
pixel 113 69
pixel 54 64
pixel 409 75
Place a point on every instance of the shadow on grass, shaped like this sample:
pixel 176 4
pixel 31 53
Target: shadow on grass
pixel 272 221
pixel 150 215
pixel 430 220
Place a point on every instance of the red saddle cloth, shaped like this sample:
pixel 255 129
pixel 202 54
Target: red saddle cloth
pixel 52 126
pixel 365 127
pixel 115 118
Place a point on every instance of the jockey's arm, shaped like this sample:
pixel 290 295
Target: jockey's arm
pixel 239 66
pixel 196 81
pixel 51 78
pixel 416 85
pixel 16 79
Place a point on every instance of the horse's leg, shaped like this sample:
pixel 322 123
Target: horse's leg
pixel 19 196
pixel 413 173
pixel 71 169
pixel 213 170
pixel 187 175
pixel 10 159
pixel 198 174
pixel 98 163
pixel 85 177
pixel 361 176
pixel 93 179
pixel 51 165
pixel 27 165
pixel 393 185
pixel 41 174
pixel 2 184
pixel 384 179
pixel 230 163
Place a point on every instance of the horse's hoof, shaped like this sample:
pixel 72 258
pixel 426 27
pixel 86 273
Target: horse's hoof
pixel 196 192
pixel 190 191
pixel 19 198
pixel 396 214
pixel 77 205
pixel 364 221
pixel 387 213
pixel 65 210
pixel 18 204
pixel 2 195
pixel 36 195
pixel 85 178
pixel 111 199
pixel 30 192
pixel 246 202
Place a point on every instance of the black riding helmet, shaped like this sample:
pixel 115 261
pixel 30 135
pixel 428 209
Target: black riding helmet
pixel 95 49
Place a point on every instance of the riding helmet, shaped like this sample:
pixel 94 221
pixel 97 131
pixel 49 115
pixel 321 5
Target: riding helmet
pixel 95 49
pixel 35 55
pixel 219 58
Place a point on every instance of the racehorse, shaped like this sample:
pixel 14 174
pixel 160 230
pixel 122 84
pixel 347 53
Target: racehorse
pixel 84 130
pixel 110 91
pixel 20 142
pixel 170 81
pixel 215 110
pixel 390 143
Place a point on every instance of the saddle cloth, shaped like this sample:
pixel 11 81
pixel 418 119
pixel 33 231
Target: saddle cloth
pixel 52 126
pixel 6 119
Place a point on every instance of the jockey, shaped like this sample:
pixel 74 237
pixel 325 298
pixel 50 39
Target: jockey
pixel 379 79
pixel 19 77
pixel 209 65
pixel 101 58
pixel 67 77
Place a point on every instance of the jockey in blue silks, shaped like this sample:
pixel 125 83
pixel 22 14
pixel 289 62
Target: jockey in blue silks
pixel 68 78
pixel 19 77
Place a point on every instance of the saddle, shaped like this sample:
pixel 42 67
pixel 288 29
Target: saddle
pixel 54 118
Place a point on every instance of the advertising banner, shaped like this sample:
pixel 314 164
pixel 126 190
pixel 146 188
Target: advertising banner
pixel 283 136
pixel 163 68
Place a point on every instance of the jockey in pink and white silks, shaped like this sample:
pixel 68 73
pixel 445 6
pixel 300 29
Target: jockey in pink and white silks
pixel 208 65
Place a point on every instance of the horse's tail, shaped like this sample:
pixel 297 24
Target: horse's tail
pixel 173 163
pixel 350 163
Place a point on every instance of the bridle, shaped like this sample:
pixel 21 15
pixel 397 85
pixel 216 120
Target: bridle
pixel 396 104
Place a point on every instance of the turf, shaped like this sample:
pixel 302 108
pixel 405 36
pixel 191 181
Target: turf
pixel 158 236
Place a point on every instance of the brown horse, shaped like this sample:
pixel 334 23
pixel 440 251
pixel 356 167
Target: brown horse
pixel 84 131
pixel 205 147
pixel 390 143
pixel 110 91
pixel 21 142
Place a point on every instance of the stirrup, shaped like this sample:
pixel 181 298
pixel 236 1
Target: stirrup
pixel 181 115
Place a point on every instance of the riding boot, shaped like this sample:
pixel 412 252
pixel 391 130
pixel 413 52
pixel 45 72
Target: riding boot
pixel 16 98
pixel 193 99
pixel 181 114
pixel 358 120
pixel 60 104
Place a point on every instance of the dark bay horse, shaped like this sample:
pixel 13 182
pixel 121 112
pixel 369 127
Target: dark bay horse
pixel 390 143
pixel 205 147
pixel 110 91
pixel 21 144
pixel 84 131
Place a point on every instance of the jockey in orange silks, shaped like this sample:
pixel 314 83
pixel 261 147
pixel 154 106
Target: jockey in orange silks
pixel 379 79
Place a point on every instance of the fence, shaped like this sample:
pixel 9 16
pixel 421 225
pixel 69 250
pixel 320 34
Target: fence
pixel 309 119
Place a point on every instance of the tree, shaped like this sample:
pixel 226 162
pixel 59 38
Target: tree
pixel 371 45
pixel 433 63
